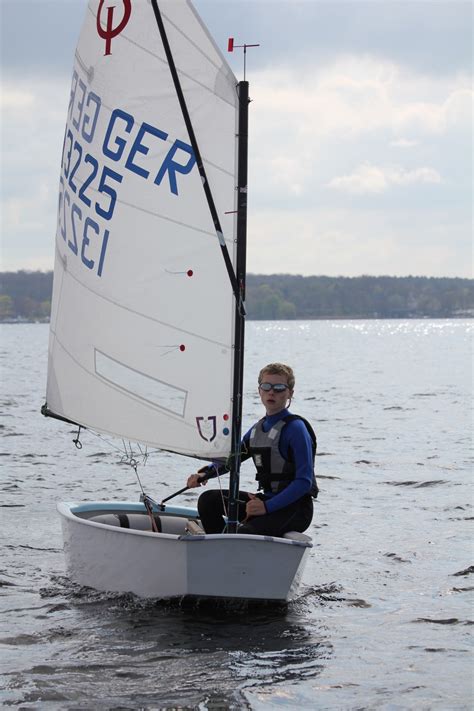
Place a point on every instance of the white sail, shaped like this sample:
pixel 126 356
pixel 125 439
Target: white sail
pixel 142 326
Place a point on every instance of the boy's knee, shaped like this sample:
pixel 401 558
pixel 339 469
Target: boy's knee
pixel 207 496
pixel 208 500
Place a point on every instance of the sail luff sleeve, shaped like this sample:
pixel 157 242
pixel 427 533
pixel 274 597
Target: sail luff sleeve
pixel 197 153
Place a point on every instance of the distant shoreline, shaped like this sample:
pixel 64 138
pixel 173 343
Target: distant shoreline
pixel 23 322
pixel 25 297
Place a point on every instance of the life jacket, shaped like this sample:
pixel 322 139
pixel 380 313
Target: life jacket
pixel 274 473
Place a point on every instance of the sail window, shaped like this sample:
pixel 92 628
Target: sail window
pixel 163 395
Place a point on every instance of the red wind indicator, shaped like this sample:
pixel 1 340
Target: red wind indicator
pixel 231 46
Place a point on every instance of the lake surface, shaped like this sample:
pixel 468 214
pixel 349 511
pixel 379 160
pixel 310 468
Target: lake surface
pixel 384 619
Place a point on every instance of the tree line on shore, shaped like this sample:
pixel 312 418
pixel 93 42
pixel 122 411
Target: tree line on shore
pixel 26 296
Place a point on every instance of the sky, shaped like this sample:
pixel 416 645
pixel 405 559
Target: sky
pixel 360 154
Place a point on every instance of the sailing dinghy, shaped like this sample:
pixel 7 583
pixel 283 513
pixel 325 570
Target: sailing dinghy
pixel 147 325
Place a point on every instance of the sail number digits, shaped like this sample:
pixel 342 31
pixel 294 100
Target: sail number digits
pixel 97 190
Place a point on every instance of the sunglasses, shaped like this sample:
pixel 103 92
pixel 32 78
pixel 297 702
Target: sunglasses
pixel 276 387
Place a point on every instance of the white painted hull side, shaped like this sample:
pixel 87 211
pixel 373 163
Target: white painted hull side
pixel 166 565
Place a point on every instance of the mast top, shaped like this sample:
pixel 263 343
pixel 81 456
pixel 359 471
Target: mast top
pixel 231 46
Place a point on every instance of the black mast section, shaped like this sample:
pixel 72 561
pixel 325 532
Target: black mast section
pixel 195 147
pixel 243 92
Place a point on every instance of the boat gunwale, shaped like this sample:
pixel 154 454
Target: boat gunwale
pixel 70 510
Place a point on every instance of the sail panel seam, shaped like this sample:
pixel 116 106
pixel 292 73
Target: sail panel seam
pixel 175 222
pixel 138 313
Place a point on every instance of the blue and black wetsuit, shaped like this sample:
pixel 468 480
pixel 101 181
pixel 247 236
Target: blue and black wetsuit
pixel 283 452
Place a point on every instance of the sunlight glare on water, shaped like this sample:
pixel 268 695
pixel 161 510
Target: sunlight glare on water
pixel 384 617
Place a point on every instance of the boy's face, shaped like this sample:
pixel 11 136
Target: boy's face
pixel 272 401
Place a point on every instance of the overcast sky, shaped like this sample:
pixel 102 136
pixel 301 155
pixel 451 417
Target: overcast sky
pixel 361 131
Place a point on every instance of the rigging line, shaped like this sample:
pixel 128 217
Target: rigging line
pixel 224 507
pixel 148 506
pixel 143 454
pixel 119 449
pixel 77 441
pixel 106 441
pixel 197 153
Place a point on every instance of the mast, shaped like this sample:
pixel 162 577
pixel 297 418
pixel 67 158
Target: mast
pixel 243 92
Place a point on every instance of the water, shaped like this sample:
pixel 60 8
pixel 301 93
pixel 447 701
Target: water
pixel 384 616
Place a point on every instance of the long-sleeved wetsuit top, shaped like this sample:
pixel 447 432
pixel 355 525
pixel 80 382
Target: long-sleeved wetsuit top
pixel 294 435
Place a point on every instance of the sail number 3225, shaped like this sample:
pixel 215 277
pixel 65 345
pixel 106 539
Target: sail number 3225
pixel 84 235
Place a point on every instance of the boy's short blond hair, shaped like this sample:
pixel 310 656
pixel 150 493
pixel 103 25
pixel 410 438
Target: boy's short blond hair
pixel 278 369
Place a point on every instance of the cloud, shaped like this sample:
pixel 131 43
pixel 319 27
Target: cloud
pixel 15 99
pixel 403 143
pixel 310 129
pixel 32 132
pixel 372 179
pixel 350 243
pixel 357 95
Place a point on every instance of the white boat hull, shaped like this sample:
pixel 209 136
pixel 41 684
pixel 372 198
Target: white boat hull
pixel 164 565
